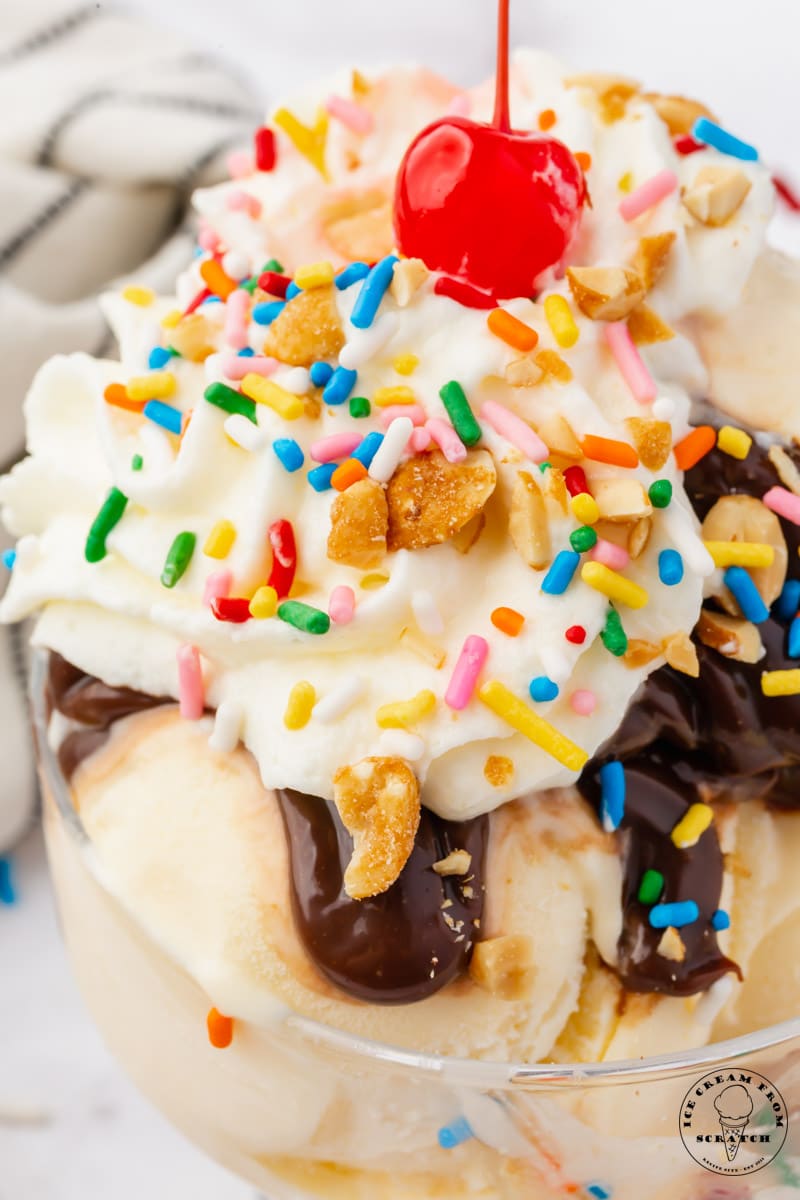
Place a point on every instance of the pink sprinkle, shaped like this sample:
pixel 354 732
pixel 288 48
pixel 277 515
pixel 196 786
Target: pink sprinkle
pixel 338 445
pixel 342 604
pixel 648 194
pixel 466 672
pixel 784 503
pixel 583 703
pixel 235 366
pixel 460 105
pixel 190 683
pixel 236 310
pixel 415 412
pixel 240 164
pixel 610 555
pixel 354 116
pixel 447 440
pixel 420 440
pixel 630 363
pixel 239 201
pixel 218 586
pixel 209 239
pixel 515 430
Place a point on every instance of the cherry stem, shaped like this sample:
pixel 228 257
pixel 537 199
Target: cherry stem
pixel 502 111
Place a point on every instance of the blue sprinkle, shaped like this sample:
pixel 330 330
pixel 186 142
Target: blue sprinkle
pixel 368 449
pixel 720 920
pixel 248 352
pixel 158 358
pixel 9 558
pixel 601 1191
pixel 8 893
pixel 265 314
pixel 352 274
pixel 682 912
pixel 612 804
pixel 165 415
pixel 714 135
pixel 789 601
pixel 211 300
pixel 455 1133
pixel 746 595
pixel 320 373
pixel 293 290
pixel 289 453
pixel 670 567
pixel 373 289
pixel 793 649
pixel 543 689
pixel 559 577
pixel 320 477
pixel 339 386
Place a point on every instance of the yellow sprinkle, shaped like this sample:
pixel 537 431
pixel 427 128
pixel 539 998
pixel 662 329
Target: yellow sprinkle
pixel 692 826
pixel 521 717
pixel 735 442
pixel 264 603
pixel 314 275
pixel 424 647
pixel 310 141
pixel 406 364
pixel 158 386
pixel 612 584
pixel 361 85
pixel 264 391
pixel 561 321
pixel 141 296
pixel 171 319
pixel 406 712
pixel 584 509
pixel 625 183
pixel 376 579
pixel 781 683
pixel 400 394
pixel 299 706
pixel 219 541
pixel 553 366
pixel 741 554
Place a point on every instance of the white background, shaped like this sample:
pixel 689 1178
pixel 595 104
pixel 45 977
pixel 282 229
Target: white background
pixel 71 1128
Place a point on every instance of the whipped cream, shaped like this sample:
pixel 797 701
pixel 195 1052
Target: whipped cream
pixel 115 619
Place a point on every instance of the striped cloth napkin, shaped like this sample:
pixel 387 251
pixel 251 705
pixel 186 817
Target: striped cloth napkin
pixel 107 125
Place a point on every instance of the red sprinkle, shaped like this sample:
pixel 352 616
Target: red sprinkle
pixel 575 479
pixel 576 634
pixel 284 557
pixel 684 143
pixel 265 149
pixel 274 283
pixel 235 609
pixel 787 193
pixel 463 293
pixel 198 300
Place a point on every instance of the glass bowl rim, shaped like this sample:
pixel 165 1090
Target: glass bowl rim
pixel 482 1073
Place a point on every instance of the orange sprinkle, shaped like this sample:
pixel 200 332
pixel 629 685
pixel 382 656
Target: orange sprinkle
pixel 350 471
pixel 216 280
pixel 186 420
pixel 547 119
pixel 607 450
pixel 220 1030
pixel 508 620
pixel 511 330
pixel 696 445
pixel 117 394
pixel 583 159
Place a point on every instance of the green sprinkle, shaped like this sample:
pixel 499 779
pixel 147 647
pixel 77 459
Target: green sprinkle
pixel 272 265
pixel 137 462
pixel 613 636
pixel 303 616
pixel 583 539
pixel 231 401
pixel 249 285
pixel 660 493
pixel 651 887
pixel 178 559
pixel 545 466
pixel 455 401
pixel 360 406
pixel 110 514
pixel 175 353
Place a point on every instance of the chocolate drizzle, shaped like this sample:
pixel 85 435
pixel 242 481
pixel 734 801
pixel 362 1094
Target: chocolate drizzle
pixel 401 946
pixel 685 740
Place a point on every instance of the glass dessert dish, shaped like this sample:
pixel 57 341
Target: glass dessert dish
pixel 304 1110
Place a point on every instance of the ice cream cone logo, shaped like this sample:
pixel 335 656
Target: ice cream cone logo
pixel 734 1107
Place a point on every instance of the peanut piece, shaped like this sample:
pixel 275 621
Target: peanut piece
pixel 605 293
pixel 717 194
pixel 309 328
pixel 528 525
pixel 430 499
pixel 745 519
pixel 359 521
pixel 732 637
pixel 378 801
pixel 503 966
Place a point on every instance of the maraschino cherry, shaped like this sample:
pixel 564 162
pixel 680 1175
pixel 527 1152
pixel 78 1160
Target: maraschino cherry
pixel 488 205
